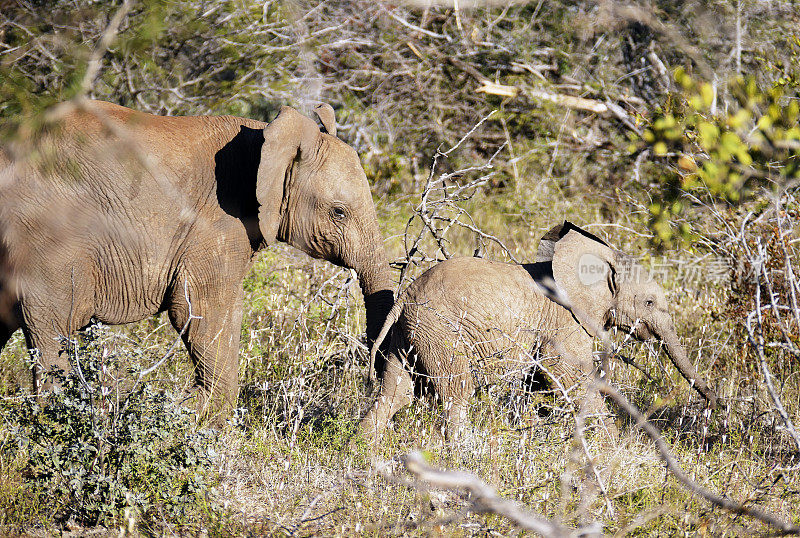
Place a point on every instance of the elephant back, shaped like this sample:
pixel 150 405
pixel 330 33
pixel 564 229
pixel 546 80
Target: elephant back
pixel 476 314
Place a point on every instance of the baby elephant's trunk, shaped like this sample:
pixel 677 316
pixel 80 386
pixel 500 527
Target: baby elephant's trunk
pixel 678 356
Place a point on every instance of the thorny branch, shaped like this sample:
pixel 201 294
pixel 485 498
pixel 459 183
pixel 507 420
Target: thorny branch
pixel 189 318
pixel 756 337
pixel 439 213
pixel 781 288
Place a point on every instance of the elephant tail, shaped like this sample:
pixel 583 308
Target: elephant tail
pixel 391 319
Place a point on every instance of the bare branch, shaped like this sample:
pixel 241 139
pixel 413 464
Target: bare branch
pixel 675 468
pixel 407 24
pixel 758 344
pixel 485 500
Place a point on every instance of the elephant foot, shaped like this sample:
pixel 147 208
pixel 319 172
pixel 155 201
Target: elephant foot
pixel 213 409
pixel 397 391
pixel 372 426
pixel 604 428
pixel 362 437
pixel 609 431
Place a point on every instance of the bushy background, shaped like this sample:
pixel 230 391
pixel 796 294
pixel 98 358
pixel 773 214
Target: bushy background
pixel 668 129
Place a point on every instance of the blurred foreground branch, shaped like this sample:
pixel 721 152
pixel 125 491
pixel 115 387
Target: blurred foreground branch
pixel 94 65
pixel 672 463
pixel 485 499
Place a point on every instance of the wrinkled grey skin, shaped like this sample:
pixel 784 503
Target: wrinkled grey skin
pixel 115 215
pixel 469 317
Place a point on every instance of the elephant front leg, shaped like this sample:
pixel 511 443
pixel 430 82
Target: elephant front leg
pixel 572 364
pixel 45 333
pixel 48 356
pixel 397 391
pixel 212 335
pixel 595 406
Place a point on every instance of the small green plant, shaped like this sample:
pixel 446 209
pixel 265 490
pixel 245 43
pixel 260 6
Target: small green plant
pixel 101 442
pixel 723 152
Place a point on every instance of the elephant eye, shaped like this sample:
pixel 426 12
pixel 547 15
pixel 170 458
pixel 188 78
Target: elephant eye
pixel 338 212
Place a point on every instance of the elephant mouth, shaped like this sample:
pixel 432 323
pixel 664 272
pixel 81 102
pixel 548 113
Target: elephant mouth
pixel 339 262
pixel 638 328
pixel 643 332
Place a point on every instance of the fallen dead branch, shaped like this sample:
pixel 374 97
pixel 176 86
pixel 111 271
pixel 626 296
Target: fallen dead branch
pixel 573 102
pixel 570 101
pixel 485 500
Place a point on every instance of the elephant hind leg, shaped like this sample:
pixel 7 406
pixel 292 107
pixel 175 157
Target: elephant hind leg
pixel 454 392
pixel 397 391
pixel 592 402
pixel 595 405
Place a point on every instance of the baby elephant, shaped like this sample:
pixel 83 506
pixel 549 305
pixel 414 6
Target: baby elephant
pixel 469 316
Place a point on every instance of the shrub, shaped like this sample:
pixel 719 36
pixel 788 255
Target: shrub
pixel 719 155
pixel 102 442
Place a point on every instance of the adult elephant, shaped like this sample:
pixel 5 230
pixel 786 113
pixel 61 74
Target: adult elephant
pixel 115 215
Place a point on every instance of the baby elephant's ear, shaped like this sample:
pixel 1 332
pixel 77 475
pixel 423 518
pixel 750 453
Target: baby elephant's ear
pixel 584 269
pixel 326 116
pixel 547 244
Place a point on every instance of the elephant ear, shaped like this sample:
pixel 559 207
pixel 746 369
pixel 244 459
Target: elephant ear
pixel 283 140
pixel 584 270
pixel 326 116
pixel 547 243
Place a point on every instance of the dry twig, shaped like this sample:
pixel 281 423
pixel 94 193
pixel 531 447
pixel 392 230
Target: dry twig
pixel 675 468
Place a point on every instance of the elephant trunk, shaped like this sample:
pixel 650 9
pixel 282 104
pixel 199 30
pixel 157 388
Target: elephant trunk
pixel 377 286
pixel 677 354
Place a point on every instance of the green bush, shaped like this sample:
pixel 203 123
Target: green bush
pixel 102 442
pixel 722 153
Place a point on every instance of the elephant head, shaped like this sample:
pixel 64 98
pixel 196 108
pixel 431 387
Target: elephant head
pixel 314 195
pixel 605 287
